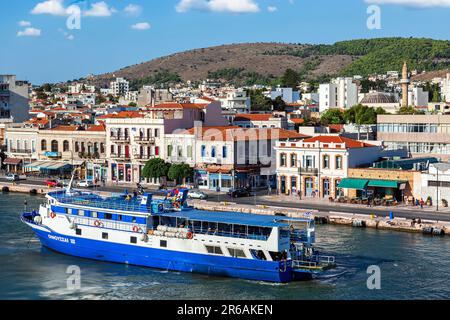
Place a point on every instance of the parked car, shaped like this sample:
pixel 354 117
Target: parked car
pixel 12 177
pixel 194 194
pixel 52 183
pixel 86 184
pixel 239 192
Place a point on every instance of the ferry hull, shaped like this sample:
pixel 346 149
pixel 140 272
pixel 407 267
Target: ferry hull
pixel 168 260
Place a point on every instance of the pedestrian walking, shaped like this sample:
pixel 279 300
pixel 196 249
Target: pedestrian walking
pixel 421 203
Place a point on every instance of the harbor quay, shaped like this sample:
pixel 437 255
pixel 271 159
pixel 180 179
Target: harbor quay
pixel 379 219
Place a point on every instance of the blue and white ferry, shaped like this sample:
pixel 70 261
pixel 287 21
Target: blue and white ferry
pixel 168 234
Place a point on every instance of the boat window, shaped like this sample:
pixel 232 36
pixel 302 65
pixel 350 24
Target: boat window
pixel 258 254
pixel 163 243
pixel 78 232
pixel 108 216
pixel 214 250
pixel 81 213
pixel 133 240
pixel 277 256
pixel 237 253
pixel 105 235
pixel 94 214
pixel 284 233
pixel 133 220
pixel 119 217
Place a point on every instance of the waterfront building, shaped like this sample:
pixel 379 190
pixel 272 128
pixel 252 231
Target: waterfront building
pixel 21 145
pixel 420 135
pixel 135 137
pixel 341 93
pixel 14 102
pixel 83 147
pixel 435 183
pixel 230 157
pixel 316 166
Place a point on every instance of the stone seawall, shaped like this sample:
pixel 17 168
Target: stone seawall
pixel 338 218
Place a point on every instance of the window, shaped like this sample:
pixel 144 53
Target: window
pixel 169 150
pixel 214 250
pixel 189 151
pixel 65 146
pixel 54 146
pixel 213 152
pixel 293 160
pixel 180 151
pixel 156 133
pixel 203 151
pixel 77 147
pixel 237 253
pixel 78 232
pixel 338 162
pixel 133 240
pixel 81 213
pixel 163 243
pixel 44 145
pixel 326 162
pixel 283 160
pixel 94 214
pixel 108 216
pixel 224 151
pixel 105 235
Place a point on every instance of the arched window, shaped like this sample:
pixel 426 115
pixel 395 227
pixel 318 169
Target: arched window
pixel 338 162
pixel 54 146
pixel 44 145
pixel 326 162
pixel 213 152
pixel 283 160
pixel 65 146
pixel 77 146
pixel 293 160
pixel 102 148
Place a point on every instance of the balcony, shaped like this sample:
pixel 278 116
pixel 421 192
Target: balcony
pixel 120 139
pixel 122 156
pixel 144 140
pixel 309 171
pixel 142 157
pixel 22 151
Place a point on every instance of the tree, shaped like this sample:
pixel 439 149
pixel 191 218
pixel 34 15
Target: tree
pixel 332 116
pixel 155 168
pixel 360 114
pixel 290 79
pixel 180 172
pixel 409 110
pixel 259 102
pixel 279 104
pixel 132 104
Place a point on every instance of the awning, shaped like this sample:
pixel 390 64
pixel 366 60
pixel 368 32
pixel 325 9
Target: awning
pixel 384 183
pixel 350 183
pixel 48 165
pixel 12 161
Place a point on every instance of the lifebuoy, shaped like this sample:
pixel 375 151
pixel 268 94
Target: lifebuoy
pixel 52 215
pixel 136 229
pixel 97 223
pixel 190 235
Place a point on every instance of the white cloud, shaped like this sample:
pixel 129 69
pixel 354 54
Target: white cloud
pixel 29 32
pixel 233 6
pixel 272 8
pixel 133 10
pixel 52 7
pixel 413 3
pixel 141 26
pixel 24 23
pixel 56 8
pixel 99 9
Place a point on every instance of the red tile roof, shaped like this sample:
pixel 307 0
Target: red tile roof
pixel 178 106
pixel 253 117
pixel 349 143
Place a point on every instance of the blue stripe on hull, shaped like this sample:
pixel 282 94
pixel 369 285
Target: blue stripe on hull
pixel 166 259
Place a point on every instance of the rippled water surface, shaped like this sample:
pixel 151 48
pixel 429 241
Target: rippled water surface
pixel 413 266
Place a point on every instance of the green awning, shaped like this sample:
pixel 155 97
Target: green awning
pixel 350 183
pixel 384 183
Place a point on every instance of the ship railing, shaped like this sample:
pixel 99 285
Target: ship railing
pixel 230 234
pixel 114 225
pixel 117 203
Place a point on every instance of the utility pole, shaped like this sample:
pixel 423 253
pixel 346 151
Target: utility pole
pixel 437 189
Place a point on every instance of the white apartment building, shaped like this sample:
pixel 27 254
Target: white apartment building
pixel 14 98
pixel 287 94
pixel 436 183
pixel 341 93
pixel 236 100
pixel 417 97
pixel 119 87
pixel 80 87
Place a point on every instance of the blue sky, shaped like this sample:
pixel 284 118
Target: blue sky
pixel 37 45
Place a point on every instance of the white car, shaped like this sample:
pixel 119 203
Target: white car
pixel 12 177
pixel 86 184
pixel 197 195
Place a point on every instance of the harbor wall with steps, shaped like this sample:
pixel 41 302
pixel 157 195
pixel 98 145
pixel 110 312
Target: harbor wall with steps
pixel 337 218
